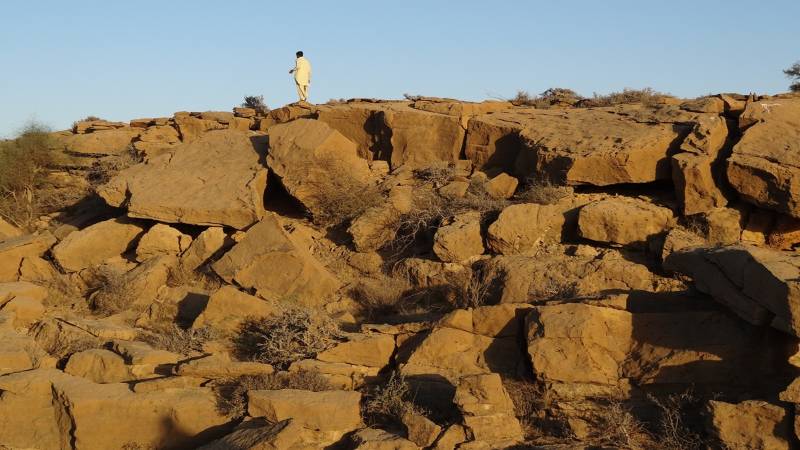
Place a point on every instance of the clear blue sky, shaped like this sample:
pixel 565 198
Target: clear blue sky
pixel 63 60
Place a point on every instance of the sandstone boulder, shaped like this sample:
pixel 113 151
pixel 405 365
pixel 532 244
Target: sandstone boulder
pixel 14 250
pixel 334 413
pixel 460 239
pixel 493 139
pixel 519 229
pixel 421 430
pixel 221 366
pixel 363 350
pixel 156 140
pixel 218 179
pixel 96 243
pixel 98 365
pixel 488 411
pixel 105 142
pixel 765 163
pixel 228 307
pixel 207 244
pixel 162 239
pixel 377 439
pixel 251 263
pixel 502 186
pixel 193 128
pixel 375 228
pixel 420 137
pixel 314 161
pixel 751 424
pixel 623 220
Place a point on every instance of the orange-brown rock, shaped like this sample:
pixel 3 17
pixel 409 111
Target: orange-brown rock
pixel 751 424
pixel 623 220
pixel 97 243
pixel 14 250
pixel 765 166
pixel 218 179
pixel 251 263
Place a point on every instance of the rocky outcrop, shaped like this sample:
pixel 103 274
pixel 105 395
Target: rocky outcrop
pixel 459 239
pixel 597 147
pixel 217 179
pixel 764 166
pixel 14 251
pixel 314 162
pixel 760 285
pixel 750 424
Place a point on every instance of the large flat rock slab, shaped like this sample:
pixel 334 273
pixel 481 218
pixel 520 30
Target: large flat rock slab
pixel 217 179
pixel 765 165
pixel 599 147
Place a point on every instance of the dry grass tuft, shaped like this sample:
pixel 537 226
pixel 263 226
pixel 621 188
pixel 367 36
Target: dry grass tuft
pixel 381 297
pixel 103 170
pixel 175 339
pixel 183 276
pixel 293 334
pixel 389 402
pixel 232 394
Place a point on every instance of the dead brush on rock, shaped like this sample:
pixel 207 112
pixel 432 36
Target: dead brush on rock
pixel 617 427
pixel 232 394
pixel 645 96
pixel 389 402
pixel 111 293
pixel 293 334
pixel 175 339
pixel 542 193
pixel 201 278
pixel 339 198
pixel 103 170
pixel 674 430
pixel 382 297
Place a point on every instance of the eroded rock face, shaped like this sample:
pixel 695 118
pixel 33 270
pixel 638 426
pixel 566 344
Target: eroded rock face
pixel 216 179
pixel 519 229
pixel 597 147
pixel 488 411
pixel 312 160
pixel 765 164
pixel 252 264
pixel 750 424
pixel 104 142
pixel 43 397
pixel 651 340
pixel 623 220
pixel 694 171
pixel 758 284
pixel 331 413
pixel 14 250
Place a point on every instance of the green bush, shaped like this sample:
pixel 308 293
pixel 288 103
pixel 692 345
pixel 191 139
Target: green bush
pixel 23 162
pixel 794 73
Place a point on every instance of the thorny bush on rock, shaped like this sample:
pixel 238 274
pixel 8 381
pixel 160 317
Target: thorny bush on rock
pixel 293 334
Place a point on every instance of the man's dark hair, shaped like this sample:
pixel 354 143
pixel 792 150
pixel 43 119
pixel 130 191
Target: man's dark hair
pixel 299 54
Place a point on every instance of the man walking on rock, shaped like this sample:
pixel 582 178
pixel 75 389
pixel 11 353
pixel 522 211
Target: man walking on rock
pixel 302 76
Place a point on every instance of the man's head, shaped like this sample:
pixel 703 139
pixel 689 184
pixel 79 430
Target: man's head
pixel 299 54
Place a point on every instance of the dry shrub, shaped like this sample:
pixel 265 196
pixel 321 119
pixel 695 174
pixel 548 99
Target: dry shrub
pixel 674 432
pixel 339 198
pixel 23 165
pixel 175 339
pixel 232 394
pixel 183 276
pixel 382 297
pixel 646 96
pixel 111 292
pixel 554 290
pixel 543 193
pixel 389 402
pixel 103 170
pixel 550 97
pixel 294 334
pixel 256 102
pixel 527 399
pixel 616 427
pixel 429 208
pixel 474 291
